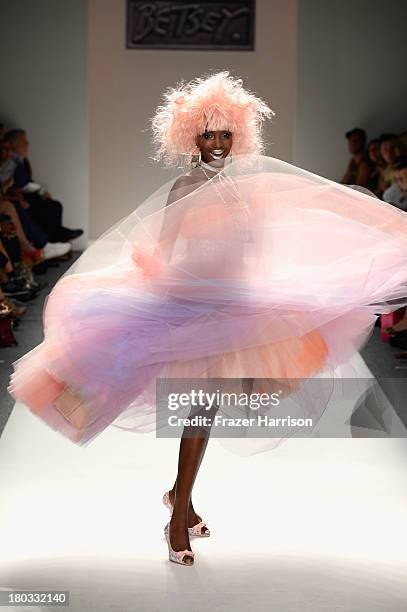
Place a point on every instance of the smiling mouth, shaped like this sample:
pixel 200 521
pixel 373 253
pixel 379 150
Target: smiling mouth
pixel 217 153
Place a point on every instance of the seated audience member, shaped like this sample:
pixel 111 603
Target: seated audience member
pixel 19 281
pixel 33 242
pixel 7 230
pixel 10 283
pixel 32 232
pixel 45 211
pixel 11 312
pixel 7 166
pixel 9 239
pixel 377 166
pixel 359 169
pixel 396 194
pixel 6 268
pixel 7 208
pixel 390 150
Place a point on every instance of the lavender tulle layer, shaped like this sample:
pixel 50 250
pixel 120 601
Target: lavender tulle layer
pixel 265 271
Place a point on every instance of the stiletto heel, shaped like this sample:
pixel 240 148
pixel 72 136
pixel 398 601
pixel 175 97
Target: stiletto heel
pixel 196 530
pixel 177 556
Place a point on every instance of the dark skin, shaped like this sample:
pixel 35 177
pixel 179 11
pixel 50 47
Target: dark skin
pixel 208 142
pixel 192 449
pixel 356 146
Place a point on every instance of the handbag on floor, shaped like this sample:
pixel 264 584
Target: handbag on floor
pixel 7 337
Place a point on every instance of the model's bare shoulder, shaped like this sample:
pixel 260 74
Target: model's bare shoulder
pixel 184 181
pixel 184 185
pixel 194 176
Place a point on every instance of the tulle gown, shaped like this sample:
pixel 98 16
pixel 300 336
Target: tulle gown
pixel 265 271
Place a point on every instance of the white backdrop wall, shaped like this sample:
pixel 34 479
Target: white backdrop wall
pixel 43 53
pixel 86 100
pixel 351 73
pixel 126 86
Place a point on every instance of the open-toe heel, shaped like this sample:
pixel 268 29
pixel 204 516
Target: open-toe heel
pixel 200 530
pixel 177 556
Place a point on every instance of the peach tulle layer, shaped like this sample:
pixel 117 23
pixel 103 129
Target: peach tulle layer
pixel 266 272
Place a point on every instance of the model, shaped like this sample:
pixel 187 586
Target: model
pixel 246 268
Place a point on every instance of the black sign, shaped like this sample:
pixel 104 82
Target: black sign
pixel 209 24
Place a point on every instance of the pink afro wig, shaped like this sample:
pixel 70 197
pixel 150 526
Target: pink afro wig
pixel 216 102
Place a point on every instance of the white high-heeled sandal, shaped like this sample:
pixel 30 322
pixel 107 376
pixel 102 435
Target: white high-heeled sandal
pixel 177 556
pixel 196 530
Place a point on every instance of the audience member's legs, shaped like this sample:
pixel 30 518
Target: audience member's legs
pixel 12 248
pixel 33 231
pixel 47 213
pixel 6 263
pixel 9 209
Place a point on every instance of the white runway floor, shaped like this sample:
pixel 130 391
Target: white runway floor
pixel 313 525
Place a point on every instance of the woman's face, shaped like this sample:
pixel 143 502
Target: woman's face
pixel 388 151
pixel 214 145
pixel 374 152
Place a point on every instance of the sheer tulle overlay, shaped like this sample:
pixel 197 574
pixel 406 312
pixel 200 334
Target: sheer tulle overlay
pixel 265 271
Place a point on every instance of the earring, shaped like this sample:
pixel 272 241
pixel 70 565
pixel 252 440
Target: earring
pixel 196 160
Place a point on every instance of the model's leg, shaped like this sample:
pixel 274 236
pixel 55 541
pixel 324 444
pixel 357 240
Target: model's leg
pixel 190 455
pixel 192 450
pixel 247 386
pixel 193 517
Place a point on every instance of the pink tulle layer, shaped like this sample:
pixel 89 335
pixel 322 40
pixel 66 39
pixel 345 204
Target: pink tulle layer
pixel 265 271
